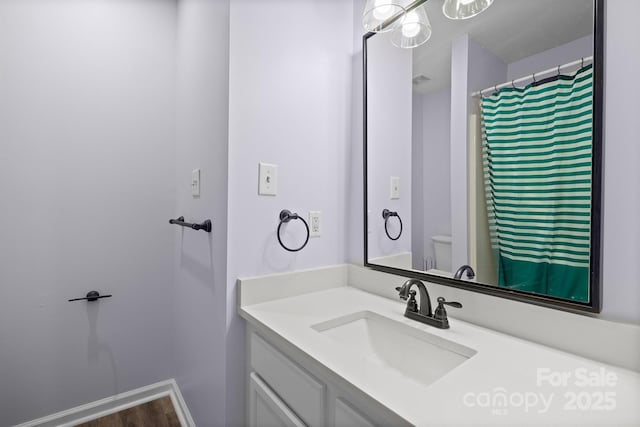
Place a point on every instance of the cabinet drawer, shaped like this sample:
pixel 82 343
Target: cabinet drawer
pixel 346 416
pixel 302 393
pixel 265 409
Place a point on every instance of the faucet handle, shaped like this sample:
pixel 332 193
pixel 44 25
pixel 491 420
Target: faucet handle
pixel 455 304
pixel 412 304
pixel 440 313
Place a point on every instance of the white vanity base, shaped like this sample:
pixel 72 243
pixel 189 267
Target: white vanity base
pixel 299 376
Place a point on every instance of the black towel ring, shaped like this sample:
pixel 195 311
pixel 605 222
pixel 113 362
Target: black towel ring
pixel 386 214
pixel 286 216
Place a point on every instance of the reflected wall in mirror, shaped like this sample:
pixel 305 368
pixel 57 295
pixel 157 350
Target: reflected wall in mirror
pixel 482 148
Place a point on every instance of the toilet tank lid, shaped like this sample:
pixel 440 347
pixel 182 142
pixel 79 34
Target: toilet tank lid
pixel 441 239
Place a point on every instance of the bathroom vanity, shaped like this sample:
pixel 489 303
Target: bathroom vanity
pixel 323 353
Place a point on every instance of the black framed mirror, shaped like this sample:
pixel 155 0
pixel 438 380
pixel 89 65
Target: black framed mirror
pixel 483 148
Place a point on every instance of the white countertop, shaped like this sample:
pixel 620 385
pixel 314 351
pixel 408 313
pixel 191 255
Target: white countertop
pixel 473 392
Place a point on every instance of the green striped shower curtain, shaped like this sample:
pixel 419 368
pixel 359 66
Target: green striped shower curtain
pixel 537 168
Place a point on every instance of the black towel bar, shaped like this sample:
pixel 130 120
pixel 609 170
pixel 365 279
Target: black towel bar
pixel 91 296
pixel 205 226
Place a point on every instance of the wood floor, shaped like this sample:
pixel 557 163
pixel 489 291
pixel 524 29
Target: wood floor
pixel 157 413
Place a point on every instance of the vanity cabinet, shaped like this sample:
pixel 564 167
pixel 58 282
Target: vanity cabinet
pixel 288 388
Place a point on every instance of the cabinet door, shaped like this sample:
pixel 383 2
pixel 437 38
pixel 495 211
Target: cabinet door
pixel 302 392
pixel 346 416
pixel 266 409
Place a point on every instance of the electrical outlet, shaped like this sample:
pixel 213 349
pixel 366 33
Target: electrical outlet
pixel 195 183
pixel 267 179
pixel 395 187
pixel 314 223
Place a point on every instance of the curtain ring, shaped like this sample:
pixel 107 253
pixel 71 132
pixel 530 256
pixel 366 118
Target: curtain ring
pixel 513 85
pixel 558 69
pixel 582 62
pixel 534 77
pixel 495 88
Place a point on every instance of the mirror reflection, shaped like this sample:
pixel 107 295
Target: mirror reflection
pixel 479 147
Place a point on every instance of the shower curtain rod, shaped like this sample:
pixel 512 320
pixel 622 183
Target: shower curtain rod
pixel 534 76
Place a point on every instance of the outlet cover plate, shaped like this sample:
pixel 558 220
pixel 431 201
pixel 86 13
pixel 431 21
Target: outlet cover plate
pixel 315 229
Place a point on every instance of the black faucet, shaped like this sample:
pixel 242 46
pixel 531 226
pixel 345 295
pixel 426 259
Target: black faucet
pixel 470 273
pixel 423 313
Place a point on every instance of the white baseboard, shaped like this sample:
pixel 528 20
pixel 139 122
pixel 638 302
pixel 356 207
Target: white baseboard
pixel 119 402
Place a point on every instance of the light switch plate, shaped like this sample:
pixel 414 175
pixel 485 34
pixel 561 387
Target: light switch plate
pixel 195 183
pixel 267 179
pixel 395 187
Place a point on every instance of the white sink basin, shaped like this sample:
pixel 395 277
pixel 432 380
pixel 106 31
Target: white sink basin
pixel 410 352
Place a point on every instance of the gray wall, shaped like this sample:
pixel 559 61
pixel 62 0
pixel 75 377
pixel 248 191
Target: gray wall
pixel 417 183
pixel 621 243
pixel 289 104
pixel 436 164
pixel 87 185
pixel 389 146
pixel 199 289
pixel 354 176
pixel 560 55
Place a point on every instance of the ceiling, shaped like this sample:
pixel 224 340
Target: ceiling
pixel 510 29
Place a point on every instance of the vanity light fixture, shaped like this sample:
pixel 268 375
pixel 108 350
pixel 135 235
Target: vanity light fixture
pixel 464 9
pixel 409 23
pixel 414 30
pixel 377 12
